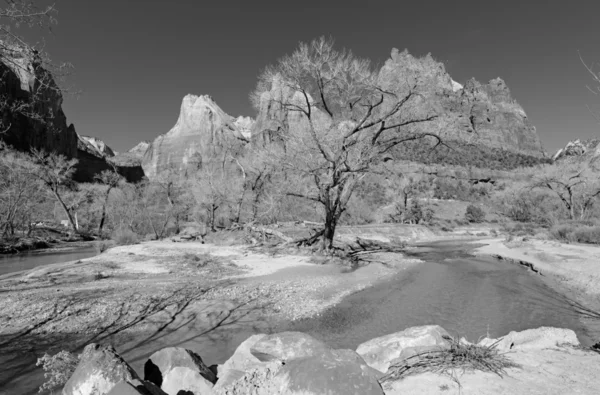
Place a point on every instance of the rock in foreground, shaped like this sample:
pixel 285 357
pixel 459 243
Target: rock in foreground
pixel 100 369
pixel 381 351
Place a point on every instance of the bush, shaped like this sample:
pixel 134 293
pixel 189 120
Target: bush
pixel 58 369
pixel 124 237
pixel 474 213
pixel 576 233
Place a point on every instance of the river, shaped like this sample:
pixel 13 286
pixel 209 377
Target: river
pixel 29 260
pixel 469 296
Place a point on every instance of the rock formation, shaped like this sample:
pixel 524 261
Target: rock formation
pixel 482 114
pixel 32 106
pixel 203 134
pixel 588 149
pixel 140 148
pixel 95 146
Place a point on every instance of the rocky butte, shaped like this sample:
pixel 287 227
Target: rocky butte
pixel 203 133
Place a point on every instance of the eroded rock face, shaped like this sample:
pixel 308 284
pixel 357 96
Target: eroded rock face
pixel 203 134
pixel 140 148
pixel 95 146
pixel 484 114
pixel 578 148
pixel 21 74
pixel 381 351
pixel 100 369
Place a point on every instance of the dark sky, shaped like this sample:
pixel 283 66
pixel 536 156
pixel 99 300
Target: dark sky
pixel 136 59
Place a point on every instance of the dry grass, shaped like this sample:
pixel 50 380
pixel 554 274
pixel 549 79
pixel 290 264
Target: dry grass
pixel 458 357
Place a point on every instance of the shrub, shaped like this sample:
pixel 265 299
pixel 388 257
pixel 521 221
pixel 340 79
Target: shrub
pixel 58 369
pixel 576 233
pixel 124 236
pixel 474 213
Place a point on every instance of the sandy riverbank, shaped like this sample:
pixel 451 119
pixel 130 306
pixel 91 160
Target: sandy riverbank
pixel 576 266
pixel 144 297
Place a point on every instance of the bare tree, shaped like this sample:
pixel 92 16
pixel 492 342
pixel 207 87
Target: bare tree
pixel 577 186
pixel 18 190
pixel 111 179
pixel 56 172
pixel 339 123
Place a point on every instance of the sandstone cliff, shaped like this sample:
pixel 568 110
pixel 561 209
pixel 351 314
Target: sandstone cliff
pixel 579 150
pixel 475 114
pixel 32 114
pixel 204 133
pixel 95 146
pixel 481 114
pixel 140 148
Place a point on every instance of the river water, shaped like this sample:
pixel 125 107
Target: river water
pixel 29 260
pixel 468 296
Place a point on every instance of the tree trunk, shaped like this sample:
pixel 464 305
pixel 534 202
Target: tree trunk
pixel 103 217
pixel 66 210
pixel 213 210
pixel 329 231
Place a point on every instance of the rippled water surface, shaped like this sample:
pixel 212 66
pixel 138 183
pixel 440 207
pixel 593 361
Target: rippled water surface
pixel 468 296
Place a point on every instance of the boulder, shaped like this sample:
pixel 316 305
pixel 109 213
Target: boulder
pixel 183 380
pixel 239 363
pixel 286 346
pixel 534 339
pixel 100 368
pixel 334 372
pixel 381 351
pixel 161 362
pixel 330 372
pixel 242 359
pixel 135 387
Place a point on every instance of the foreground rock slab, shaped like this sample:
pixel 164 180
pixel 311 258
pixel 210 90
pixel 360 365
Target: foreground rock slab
pixel 100 369
pixel 381 351
pixel 286 346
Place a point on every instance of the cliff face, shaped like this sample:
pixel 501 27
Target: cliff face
pixel 481 114
pixel 95 146
pixel 31 111
pixel 203 134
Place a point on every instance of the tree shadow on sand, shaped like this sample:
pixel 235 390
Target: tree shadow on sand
pixel 139 326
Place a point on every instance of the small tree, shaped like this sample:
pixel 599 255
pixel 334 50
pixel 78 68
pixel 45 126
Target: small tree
pixel 55 172
pixel 111 179
pixel 474 213
pixel 336 124
pixel 576 185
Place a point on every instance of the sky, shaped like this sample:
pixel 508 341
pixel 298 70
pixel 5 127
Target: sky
pixel 135 60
